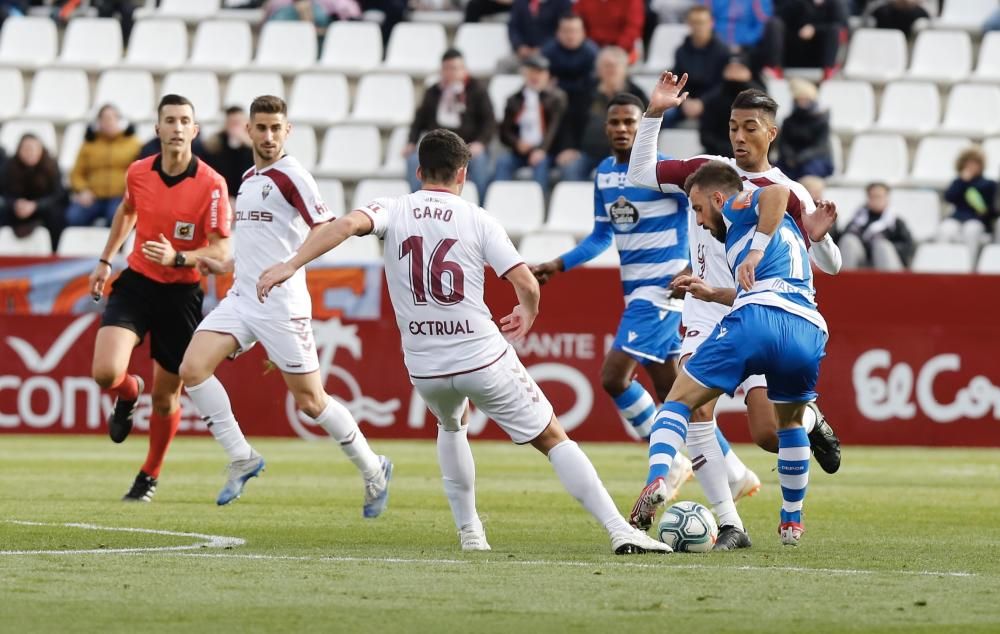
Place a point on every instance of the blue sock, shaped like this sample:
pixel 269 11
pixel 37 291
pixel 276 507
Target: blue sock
pixel 722 441
pixel 668 435
pixel 637 407
pixel 793 472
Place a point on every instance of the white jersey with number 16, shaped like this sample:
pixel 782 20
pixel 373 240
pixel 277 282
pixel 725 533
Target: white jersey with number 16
pixel 436 248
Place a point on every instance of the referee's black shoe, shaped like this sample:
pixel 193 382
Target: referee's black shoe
pixel 142 489
pixel 120 421
pixel 731 538
pixel 824 442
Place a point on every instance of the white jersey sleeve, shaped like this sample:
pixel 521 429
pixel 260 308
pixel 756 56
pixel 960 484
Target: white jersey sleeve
pixel 498 250
pixel 299 188
pixel 380 212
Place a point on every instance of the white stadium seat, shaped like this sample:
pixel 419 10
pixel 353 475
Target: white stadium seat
pixel 482 45
pixel 781 92
pixel 350 152
pixel 992 149
pixel 972 110
pixel 189 10
pixel 666 39
pixel 646 82
pixel 876 157
pixel 837 154
pixel 542 247
pixel 245 86
pixel 965 14
pixel 82 242
pixel 909 108
pixel 680 143
pixel 384 100
pixel 28 42
pixel 200 86
pixel 12 95
pixel 394 165
pixel 301 144
pixel 500 88
pixel 72 139
pixel 369 189
pixel 518 205
pixel 91 43
pixel 13 130
pixel 286 47
pixel 157 45
pixel 131 91
pixel 848 201
pixel 607 260
pixel 319 99
pixel 37 243
pixel 415 49
pixel 920 209
pixel 356 250
pixel 851 104
pixel 470 192
pixel 934 161
pixel 331 191
pixel 222 46
pixel 989 260
pixel 876 55
pixel 351 47
pixel 59 95
pixel 571 209
pixel 942 257
pixel 944 57
pixel 988 67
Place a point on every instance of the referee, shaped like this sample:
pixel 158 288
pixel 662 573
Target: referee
pixel 179 207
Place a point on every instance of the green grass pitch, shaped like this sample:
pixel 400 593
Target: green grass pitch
pixel 901 540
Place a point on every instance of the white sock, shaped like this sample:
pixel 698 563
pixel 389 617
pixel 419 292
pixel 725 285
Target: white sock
pixel 580 479
pixel 710 469
pixel 338 422
pixel 458 473
pixel 212 401
pixel 808 419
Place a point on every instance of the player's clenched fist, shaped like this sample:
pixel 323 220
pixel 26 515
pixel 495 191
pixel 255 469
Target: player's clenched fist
pixel 98 278
pixel 543 272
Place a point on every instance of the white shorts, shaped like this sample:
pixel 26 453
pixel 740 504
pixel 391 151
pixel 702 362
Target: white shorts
pixel 504 392
pixel 696 334
pixel 289 342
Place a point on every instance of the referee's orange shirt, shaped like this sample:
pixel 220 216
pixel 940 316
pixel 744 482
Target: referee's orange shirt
pixel 184 208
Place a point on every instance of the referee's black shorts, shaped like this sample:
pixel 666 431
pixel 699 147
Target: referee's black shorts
pixel 170 313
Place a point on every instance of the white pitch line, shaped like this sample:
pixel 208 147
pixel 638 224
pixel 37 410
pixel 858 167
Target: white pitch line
pixel 207 541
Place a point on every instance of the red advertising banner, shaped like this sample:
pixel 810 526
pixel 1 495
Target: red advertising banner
pixel 911 361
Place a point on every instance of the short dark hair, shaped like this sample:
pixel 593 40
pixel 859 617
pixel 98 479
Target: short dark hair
pixel 871 186
pixel 451 53
pixel 442 153
pixel 570 15
pixel 715 175
pixel 173 100
pixel 753 99
pixel 231 110
pixel 626 99
pixel 698 8
pixel 268 104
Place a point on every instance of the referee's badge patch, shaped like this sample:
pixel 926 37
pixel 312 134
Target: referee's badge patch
pixel 184 231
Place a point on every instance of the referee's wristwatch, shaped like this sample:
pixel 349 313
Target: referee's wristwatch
pixel 179 259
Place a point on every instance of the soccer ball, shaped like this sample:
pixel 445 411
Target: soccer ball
pixel 688 527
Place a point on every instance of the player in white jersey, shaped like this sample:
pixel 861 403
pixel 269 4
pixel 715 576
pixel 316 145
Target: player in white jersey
pixel 436 248
pixel 278 205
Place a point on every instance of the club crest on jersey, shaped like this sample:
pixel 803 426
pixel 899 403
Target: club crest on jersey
pixel 623 213
pixel 184 231
pixel 265 190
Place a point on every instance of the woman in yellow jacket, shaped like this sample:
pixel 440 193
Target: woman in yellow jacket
pixel 98 177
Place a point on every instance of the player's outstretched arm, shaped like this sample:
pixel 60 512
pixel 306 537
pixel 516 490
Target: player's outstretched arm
pixel 668 93
pixel 697 288
pixel 823 250
pixel 121 225
pixel 771 205
pixel 517 324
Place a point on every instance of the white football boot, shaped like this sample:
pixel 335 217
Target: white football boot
pixel 747 486
pixel 681 470
pixel 635 542
pixel 473 538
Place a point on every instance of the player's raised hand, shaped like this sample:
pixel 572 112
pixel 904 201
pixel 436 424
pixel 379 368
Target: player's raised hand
pixel 516 325
pixel 745 271
pixel 98 278
pixel 819 223
pixel 667 93
pixel 212 266
pixel 543 272
pixel 159 251
pixel 272 277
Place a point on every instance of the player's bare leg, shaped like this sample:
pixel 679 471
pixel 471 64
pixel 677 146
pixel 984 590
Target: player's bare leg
pixel 163 423
pixel 632 400
pixel 793 469
pixel 112 353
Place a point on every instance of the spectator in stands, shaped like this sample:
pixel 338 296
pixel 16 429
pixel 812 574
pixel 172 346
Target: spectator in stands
pixel 717 104
pixel 612 79
pixel 876 238
pixel 532 25
pixel 992 22
pixel 973 196
pixel 319 12
pixel 461 104
pixel 31 191
pixel 530 121
pixel 229 151
pixel 815 185
pixel 98 177
pixel 702 56
pixel 388 13
pixel 571 62
pixel 747 26
pixel 897 14
pixel 614 23
pixel 9 8
pixel 804 142
pixel 478 9
pixel 814 32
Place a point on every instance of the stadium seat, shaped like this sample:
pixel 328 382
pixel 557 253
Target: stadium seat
pixel 415 49
pixel 13 130
pixel 666 39
pixel 245 86
pixel 471 193
pixel 200 86
pixel 301 144
pixel 131 91
pixel 351 47
pixel 571 209
pixel 72 139
pixel 370 188
pixel 837 154
pixel 909 108
pixel 876 157
pixel 501 87
pixel 851 105
pixel 350 152
pixel 992 149
pixel 91 43
pixel 541 247
pixel 37 243
pixel 944 57
pixel 222 46
pixel 320 99
pixel 942 257
pixel 81 242
pixel 518 205
pixel 356 250
pixel 28 42
pixel 965 14
pixel 680 143
pixel 989 260
pixel 848 201
pixel 59 95
pixel 645 82
pixel 286 47
pixel 607 260
pixel 876 55
pixel 395 165
pixel 188 10
pixel 483 45
pixel 157 45
pixel 332 192
pixel 781 92
pixel 12 95
pixel 934 161
pixel 972 110
pixel 988 67
pixel 920 209
pixel 373 104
